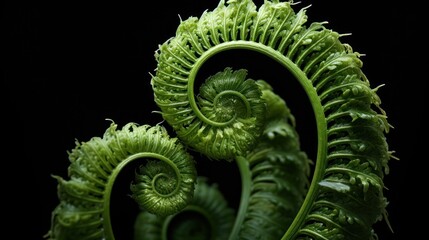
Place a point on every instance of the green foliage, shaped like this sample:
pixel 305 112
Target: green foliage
pixel 233 117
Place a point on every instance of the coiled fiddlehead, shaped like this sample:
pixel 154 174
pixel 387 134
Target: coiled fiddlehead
pixel 224 122
pixel 352 151
pixel 84 209
pixel 233 117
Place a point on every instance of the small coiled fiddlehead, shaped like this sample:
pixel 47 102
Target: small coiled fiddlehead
pixel 232 117
pixel 84 209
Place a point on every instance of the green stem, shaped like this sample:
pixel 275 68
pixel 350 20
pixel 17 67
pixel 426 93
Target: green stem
pixel 246 182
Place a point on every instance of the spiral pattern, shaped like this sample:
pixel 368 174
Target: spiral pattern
pixel 232 117
pixel 83 212
pixel 352 149
pixel 231 114
pixel 228 97
pixel 158 180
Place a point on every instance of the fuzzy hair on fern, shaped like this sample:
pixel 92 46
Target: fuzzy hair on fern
pixel 232 117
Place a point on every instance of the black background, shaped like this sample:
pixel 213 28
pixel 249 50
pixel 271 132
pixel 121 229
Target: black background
pixel 70 66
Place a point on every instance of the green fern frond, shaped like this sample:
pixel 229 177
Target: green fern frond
pixel 84 208
pixel 350 122
pixel 232 116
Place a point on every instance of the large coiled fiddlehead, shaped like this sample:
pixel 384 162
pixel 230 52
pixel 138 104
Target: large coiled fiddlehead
pixel 235 118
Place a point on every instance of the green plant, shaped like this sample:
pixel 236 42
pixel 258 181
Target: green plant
pixel 243 121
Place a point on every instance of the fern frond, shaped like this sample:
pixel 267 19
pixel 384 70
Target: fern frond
pixel 84 208
pixel 350 122
pixel 232 116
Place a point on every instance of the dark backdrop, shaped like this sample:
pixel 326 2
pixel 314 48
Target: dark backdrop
pixel 69 66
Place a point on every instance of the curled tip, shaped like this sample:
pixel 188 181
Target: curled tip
pixel 159 190
pixel 233 110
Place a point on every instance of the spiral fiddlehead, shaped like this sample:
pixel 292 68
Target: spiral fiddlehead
pixel 229 109
pixel 352 151
pixel 84 209
pixel 233 118
pixel 228 97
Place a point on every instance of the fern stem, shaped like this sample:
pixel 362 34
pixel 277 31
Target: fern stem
pixel 246 181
